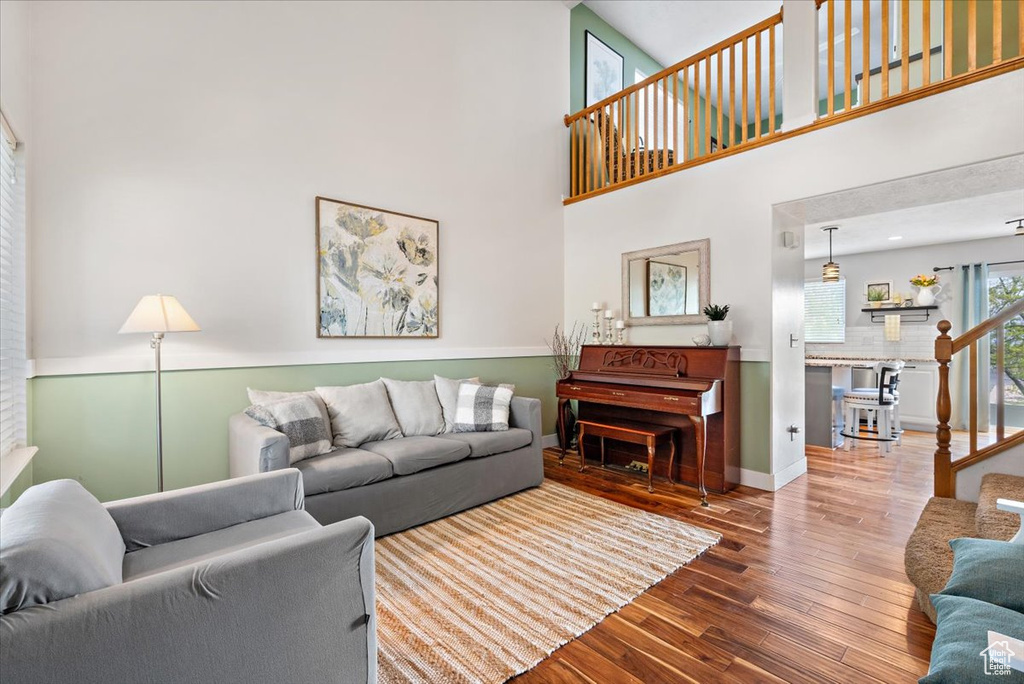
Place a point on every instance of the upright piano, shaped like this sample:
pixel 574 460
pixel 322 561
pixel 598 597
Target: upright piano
pixel 695 389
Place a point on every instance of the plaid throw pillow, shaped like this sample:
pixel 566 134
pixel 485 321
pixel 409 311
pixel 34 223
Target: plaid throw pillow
pixel 300 420
pixel 483 408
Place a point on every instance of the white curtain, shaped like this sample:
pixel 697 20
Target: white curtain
pixel 970 307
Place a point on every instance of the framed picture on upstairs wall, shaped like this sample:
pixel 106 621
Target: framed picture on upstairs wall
pixel 603 70
pixel 376 272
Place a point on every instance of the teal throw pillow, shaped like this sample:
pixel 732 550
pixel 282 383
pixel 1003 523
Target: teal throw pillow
pixel 988 570
pixel 961 653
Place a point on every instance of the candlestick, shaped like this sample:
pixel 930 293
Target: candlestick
pixel 608 337
pixel 595 337
pixel 619 335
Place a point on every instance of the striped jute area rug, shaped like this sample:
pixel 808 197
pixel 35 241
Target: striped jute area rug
pixel 487 594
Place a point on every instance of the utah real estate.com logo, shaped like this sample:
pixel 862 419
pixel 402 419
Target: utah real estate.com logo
pixel 997 658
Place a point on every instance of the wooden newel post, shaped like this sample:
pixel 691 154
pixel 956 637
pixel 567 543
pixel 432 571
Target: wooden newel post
pixel 944 485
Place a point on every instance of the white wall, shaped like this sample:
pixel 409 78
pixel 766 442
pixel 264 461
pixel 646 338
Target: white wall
pixel 180 146
pixel 900 265
pixel 14 65
pixel 730 201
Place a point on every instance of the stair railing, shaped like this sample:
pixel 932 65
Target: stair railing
pixel 946 348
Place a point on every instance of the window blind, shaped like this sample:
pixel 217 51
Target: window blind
pixel 825 311
pixel 12 298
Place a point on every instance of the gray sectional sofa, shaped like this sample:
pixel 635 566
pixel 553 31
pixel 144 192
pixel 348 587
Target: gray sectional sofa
pixel 404 482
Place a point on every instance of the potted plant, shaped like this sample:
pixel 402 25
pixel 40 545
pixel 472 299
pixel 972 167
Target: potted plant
pixel 719 329
pixel 876 298
pixel 565 358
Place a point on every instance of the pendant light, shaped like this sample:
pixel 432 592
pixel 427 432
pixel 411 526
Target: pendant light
pixel 830 271
pixel 1020 226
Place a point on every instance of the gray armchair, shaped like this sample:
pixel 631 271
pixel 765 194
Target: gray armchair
pixel 226 582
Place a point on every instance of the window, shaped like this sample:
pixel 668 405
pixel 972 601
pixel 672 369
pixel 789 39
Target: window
pixel 12 296
pixel 825 311
pixel 1005 288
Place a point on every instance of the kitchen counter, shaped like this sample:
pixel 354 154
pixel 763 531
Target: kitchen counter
pixel 855 361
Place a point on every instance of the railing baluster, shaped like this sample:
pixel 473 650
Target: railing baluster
pixel 652 144
pixel 997 31
pixel 636 131
pixel 947 38
pixel 973 394
pixel 905 47
pixel 926 41
pixel 847 55
pixel 593 154
pixel 865 72
pixel 647 132
pixel 732 94
pixel 573 176
pixel 664 124
pixel 1020 28
pixel 885 49
pixel 771 80
pixel 1000 378
pixel 718 130
pixel 707 105
pixel 616 149
pixel 944 483
pixel 675 117
pixel 972 35
pixel 696 110
pixel 744 111
pixel 687 147
pixel 831 37
pixel 757 84
pixel 606 139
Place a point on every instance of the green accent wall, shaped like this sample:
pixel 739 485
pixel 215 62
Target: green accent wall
pixel 983 17
pixel 100 429
pixel 755 413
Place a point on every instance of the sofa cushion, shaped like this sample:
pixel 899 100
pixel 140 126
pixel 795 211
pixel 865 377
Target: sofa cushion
pixel 483 408
pixel 448 395
pixel 416 406
pixel 343 468
pixel 360 413
pixel 961 635
pixel 490 443
pixel 299 419
pixel 412 454
pixel 57 540
pixel 176 554
pixel 988 570
pixel 262 397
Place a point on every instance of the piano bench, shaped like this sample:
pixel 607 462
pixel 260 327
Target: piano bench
pixel 644 434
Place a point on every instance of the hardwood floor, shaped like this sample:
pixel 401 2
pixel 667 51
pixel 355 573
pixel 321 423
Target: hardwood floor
pixel 807 584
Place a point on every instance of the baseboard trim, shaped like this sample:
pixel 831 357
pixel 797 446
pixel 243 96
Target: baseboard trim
pixel 773 482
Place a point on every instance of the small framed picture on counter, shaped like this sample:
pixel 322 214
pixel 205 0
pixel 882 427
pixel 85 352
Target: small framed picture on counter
pixel 878 290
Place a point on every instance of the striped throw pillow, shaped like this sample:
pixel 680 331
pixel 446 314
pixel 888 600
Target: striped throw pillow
pixel 300 420
pixel 483 408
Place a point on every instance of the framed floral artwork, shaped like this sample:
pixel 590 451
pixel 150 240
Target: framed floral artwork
pixel 376 272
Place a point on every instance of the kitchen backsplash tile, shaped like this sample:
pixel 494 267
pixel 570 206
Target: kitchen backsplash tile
pixel 868 341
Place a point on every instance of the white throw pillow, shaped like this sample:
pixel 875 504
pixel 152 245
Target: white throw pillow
pixel 299 418
pixel 360 413
pixel 416 406
pixel 262 398
pixel 483 408
pixel 448 396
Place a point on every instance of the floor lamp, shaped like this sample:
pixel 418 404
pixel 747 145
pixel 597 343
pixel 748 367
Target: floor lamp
pixel 158 314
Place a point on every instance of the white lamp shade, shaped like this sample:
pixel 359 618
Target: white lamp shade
pixel 158 314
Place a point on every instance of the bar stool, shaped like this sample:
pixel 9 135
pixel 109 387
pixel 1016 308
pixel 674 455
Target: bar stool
pixel 881 404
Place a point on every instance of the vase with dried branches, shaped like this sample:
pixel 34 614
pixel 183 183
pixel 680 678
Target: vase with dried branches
pixel 565 358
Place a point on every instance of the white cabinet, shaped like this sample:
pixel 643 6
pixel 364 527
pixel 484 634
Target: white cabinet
pixel 919 387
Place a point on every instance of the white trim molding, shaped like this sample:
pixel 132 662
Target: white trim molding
pixel 12 465
pixel 773 482
pixel 91 365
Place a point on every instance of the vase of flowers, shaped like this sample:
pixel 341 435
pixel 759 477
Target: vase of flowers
pixel 719 329
pixel 927 288
pixel 565 358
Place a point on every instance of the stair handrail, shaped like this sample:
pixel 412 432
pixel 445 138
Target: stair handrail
pixel 946 348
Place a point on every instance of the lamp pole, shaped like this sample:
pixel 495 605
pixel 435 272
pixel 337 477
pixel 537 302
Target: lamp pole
pixel 158 337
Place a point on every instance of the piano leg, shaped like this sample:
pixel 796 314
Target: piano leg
pixel 700 433
pixel 579 447
pixel 563 406
pixel 651 444
pixel 672 458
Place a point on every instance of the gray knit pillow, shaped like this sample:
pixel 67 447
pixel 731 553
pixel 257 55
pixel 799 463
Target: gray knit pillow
pixel 483 408
pixel 300 420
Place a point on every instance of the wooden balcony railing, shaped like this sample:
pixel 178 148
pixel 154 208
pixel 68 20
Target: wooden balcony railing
pixel 922 42
pixel 710 102
pixel 945 349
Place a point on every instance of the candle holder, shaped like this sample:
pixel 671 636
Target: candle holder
pixel 608 337
pixel 619 336
pixel 596 335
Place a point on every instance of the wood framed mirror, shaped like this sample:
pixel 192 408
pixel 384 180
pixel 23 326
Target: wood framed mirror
pixel 667 285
